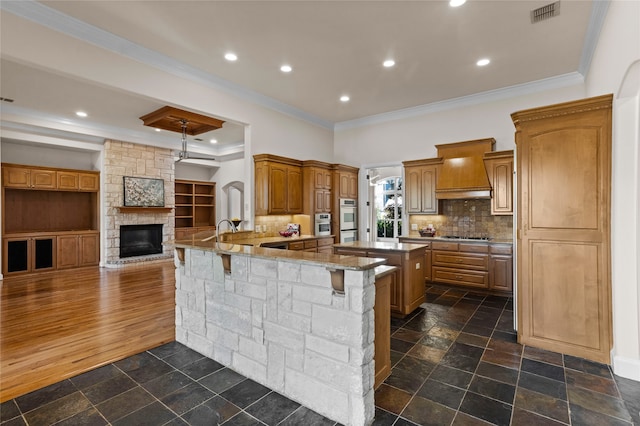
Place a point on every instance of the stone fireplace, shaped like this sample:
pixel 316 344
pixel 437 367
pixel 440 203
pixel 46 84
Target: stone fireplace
pixel 140 240
pixel 129 159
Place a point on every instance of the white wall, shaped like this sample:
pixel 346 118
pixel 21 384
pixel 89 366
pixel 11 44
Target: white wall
pixel 615 69
pixel 41 155
pixel 233 171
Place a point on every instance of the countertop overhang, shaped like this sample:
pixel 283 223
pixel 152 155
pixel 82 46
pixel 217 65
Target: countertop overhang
pixel 330 261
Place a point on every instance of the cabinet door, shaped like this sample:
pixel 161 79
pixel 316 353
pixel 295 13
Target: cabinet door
pixel 16 177
pixel 318 178
pixel 67 180
pixel 501 273
pixel 327 179
pixel 413 189
pixel 16 255
pixel 294 190
pixel 353 186
pixel 43 179
pixel 344 186
pixel 67 251
pixel 428 190
pixel 382 321
pixel 327 202
pixel 502 194
pixel 278 193
pixel 88 182
pixel 89 249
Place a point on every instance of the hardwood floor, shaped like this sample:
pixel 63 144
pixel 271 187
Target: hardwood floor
pixel 57 325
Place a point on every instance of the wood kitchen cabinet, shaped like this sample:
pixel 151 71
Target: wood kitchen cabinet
pixel 427 254
pixel 345 179
pixel 499 166
pixel 385 282
pixel 407 292
pixel 420 181
pixel 563 157
pixel 317 183
pixel 501 267
pixel 278 185
pixel 461 264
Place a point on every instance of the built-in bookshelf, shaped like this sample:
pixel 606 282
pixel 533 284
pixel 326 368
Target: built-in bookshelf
pixel 195 207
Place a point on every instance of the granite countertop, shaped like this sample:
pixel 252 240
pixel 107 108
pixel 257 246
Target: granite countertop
pixel 378 245
pixel 331 261
pixel 260 241
pixel 462 240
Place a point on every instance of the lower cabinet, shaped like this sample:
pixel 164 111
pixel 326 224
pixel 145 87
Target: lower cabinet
pixel 29 254
pixel 385 281
pixel 78 250
pixel 39 253
pixel 501 267
pixel 317 245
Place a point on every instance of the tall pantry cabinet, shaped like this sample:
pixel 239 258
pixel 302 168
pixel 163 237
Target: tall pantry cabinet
pixel 563 243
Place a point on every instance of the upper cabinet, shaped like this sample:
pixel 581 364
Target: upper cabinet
pixel 278 185
pixel 317 183
pixel 499 166
pixel 29 177
pixel 346 181
pixel 420 185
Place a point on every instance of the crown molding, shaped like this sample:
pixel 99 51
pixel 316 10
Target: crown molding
pixel 565 80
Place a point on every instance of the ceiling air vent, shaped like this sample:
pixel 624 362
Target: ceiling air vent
pixel 545 12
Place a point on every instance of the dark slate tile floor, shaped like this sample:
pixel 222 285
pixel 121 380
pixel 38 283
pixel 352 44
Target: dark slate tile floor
pixel 455 362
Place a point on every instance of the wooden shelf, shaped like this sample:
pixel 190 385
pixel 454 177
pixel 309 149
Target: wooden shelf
pixel 195 205
pixel 127 209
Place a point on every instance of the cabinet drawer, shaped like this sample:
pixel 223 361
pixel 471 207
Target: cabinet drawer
pixel 453 276
pixel 473 248
pixel 322 242
pixel 310 244
pixel 438 245
pixel 298 245
pixel 459 260
pixel 501 249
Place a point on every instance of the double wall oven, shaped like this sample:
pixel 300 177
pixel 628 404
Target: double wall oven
pixel 348 220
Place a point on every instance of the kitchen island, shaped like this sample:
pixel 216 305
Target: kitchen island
pixel 301 323
pixel 407 289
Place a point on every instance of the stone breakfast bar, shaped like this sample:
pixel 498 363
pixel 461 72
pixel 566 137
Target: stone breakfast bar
pixel 299 323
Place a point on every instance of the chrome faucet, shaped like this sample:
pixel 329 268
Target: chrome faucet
pixel 233 228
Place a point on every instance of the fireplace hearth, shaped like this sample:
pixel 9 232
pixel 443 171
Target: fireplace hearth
pixel 140 240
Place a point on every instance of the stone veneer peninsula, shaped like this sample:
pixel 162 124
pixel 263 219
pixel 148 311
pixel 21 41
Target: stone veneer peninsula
pixel 300 323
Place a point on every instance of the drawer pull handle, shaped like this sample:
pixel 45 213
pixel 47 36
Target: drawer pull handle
pixel 459 260
pixel 458 277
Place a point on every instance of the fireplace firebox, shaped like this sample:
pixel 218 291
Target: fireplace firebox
pixel 140 240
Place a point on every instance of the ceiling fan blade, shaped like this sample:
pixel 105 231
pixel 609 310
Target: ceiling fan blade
pixel 185 155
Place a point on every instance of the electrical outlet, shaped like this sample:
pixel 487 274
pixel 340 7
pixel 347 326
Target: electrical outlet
pixel 418 265
pixel 257 228
pixel 414 226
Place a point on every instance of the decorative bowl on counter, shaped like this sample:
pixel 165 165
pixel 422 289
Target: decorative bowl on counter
pixel 426 233
pixel 286 233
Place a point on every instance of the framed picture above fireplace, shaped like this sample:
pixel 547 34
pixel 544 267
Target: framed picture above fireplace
pixel 143 192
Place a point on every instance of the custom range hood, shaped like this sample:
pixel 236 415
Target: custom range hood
pixel 463 174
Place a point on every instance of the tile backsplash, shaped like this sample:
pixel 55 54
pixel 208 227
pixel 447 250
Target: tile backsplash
pixel 466 218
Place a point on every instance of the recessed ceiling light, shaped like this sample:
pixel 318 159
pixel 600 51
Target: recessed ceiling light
pixel 286 68
pixel 81 114
pixel 456 3
pixel 158 130
pixel 389 63
pixel 213 141
pixel 344 98
pixel 230 56
pixel 483 62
